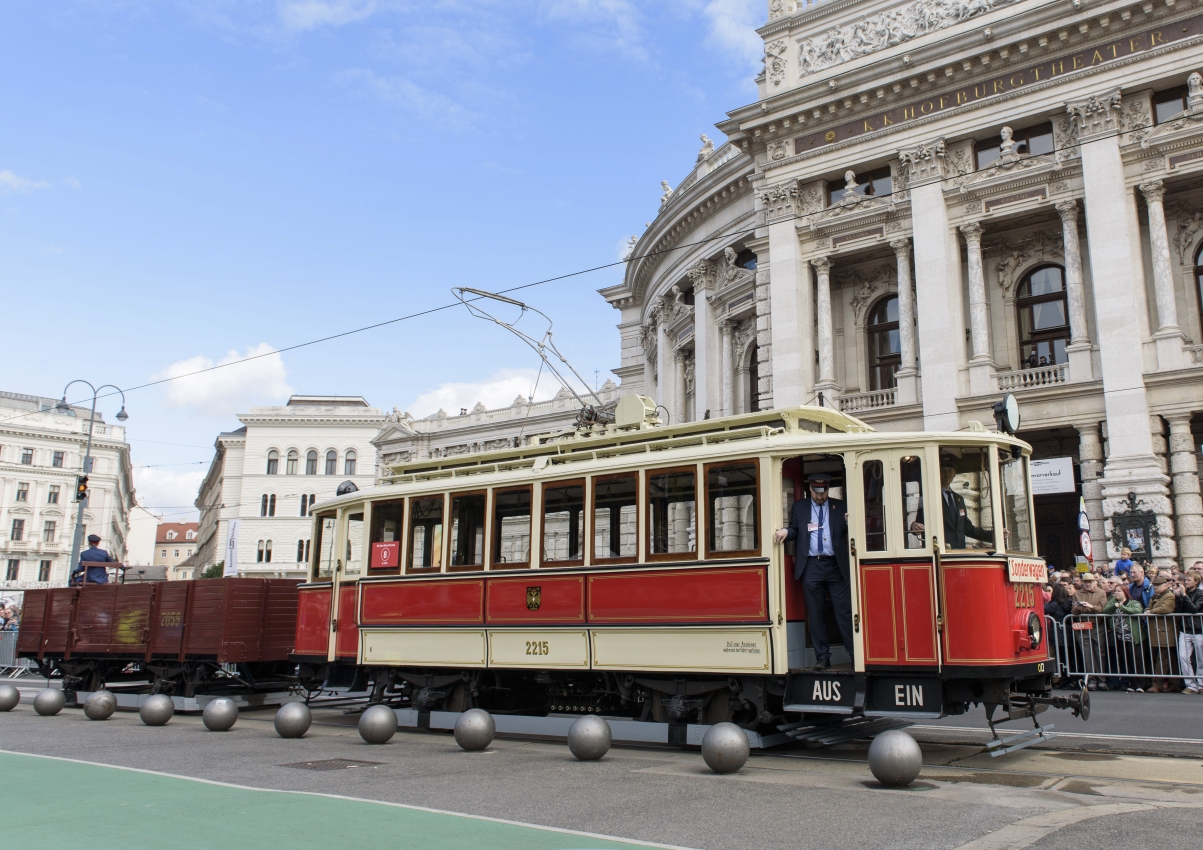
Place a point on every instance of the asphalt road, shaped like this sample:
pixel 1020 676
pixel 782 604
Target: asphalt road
pixel 816 799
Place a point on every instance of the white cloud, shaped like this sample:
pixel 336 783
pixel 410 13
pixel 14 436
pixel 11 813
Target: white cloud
pixel 408 94
pixel 10 182
pixel 169 491
pixel 733 26
pixel 603 24
pixel 73 182
pixel 498 390
pixel 225 392
pixel 302 15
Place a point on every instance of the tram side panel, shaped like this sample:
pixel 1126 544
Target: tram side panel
pixel 312 635
pixel 987 616
pixel 898 614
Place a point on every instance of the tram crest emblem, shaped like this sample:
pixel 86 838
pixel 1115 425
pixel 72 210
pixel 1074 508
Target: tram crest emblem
pixel 534 598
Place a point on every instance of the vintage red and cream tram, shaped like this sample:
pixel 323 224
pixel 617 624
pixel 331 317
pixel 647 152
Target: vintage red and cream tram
pixel 629 569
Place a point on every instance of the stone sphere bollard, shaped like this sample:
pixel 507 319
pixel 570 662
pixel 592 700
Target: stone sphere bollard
pixel 725 748
pixel 475 729
pixel 100 705
pixel 589 738
pixel 293 720
pixel 10 697
pixel 895 758
pixel 378 724
pixel 49 702
pixel 157 710
pixel 220 715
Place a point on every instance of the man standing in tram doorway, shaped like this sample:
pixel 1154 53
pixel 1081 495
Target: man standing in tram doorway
pixel 821 563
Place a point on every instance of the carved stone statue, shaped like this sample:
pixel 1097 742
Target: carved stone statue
pixel 668 192
pixel 631 242
pixel 1194 92
pixel 707 148
pixel 850 187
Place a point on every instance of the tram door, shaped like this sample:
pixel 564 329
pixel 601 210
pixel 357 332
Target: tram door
pixel 894 560
pixel 348 567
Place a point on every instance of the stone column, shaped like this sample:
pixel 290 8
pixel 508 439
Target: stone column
pixel 938 300
pixel 1169 336
pixel 705 391
pixel 679 393
pixel 826 338
pixel 1090 455
pixel 981 364
pixel 1080 366
pixel 1188 506
pixel 907 377
pixel 728 370
pixel 1115 263
pixel 664 366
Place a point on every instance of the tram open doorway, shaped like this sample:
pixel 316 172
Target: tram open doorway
pixel 800 646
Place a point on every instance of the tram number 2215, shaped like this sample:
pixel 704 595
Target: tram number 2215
pixel 536 647
pixel 1025 595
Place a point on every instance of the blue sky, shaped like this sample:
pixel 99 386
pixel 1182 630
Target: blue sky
pixel 186 182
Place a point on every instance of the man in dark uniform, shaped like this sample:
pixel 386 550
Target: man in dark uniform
pixel 957 524
pixel 93 555
pixel 821 563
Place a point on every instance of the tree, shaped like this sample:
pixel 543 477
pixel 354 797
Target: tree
pixel 214 570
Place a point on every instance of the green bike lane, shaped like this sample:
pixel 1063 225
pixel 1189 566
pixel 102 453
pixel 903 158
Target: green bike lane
pixel 54 802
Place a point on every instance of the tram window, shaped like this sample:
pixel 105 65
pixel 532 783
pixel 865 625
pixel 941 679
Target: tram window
pixel 965 496
pixel 615 512
pixel 1017 521
pixel 732 511
pixel 467 530
pixel 354 563
pixel 672 512
pixel 911 469
pixel 875 506
pixel 324 568
pixel 511 528
pixel 426 533
pixel 564 522
pixel 387 519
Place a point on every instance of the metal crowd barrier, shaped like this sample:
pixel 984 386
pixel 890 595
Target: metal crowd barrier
pixel 1129 650
pixel 10 665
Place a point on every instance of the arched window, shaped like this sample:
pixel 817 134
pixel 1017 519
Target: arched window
pixel 267 552
pixel 349 463
pixel 885 351
pixel 312 502
pixel 1043 317
pixel 332 462
pixel 304 504
pixel 263 506
pixel 311 462
pixel 259 553
pixel 273 462
pixel 271 505
pixel 293 457
pixel 306 558
pixel 300 551
pixel 1199 276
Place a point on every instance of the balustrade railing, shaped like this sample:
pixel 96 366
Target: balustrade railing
pixel 868 401
pixel 1040 376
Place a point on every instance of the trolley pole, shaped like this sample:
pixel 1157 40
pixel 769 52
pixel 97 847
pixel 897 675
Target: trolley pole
pixel 77 538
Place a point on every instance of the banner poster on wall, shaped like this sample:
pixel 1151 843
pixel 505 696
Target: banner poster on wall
pixel 231 568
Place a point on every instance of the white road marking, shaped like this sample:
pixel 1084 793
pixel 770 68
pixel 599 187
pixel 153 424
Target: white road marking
pixel 1027 832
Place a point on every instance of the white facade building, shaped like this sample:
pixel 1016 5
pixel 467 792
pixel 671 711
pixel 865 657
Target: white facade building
pixel 41 455
pixel 268 473
pixel 935 202
pixel 140 549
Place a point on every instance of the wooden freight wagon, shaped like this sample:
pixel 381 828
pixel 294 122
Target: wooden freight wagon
pixel 181 637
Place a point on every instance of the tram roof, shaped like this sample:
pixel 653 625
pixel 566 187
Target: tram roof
pixel 794 427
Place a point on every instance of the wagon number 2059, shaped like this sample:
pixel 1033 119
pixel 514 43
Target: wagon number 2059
pixel 536 647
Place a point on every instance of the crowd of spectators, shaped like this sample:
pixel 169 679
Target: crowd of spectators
pixel 10 618
pixel 1134 648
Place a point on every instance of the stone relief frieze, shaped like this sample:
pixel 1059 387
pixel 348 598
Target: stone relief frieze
pixel 1190 223
pixel 774 61
pixel 1099 113
pixel 783 199
pixel 781 8
pixel 852 204
pixel 777 150
pixel 703 274
pixel 1017 253
pixel 867 285
pixel 876 32
pixel 1190 119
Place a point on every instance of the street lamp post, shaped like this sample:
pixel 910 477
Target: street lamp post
pixel 78 538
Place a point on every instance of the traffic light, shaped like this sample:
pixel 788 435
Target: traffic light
pixel 81 488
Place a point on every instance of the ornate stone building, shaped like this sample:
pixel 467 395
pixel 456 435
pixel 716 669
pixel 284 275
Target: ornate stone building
pixel 933 203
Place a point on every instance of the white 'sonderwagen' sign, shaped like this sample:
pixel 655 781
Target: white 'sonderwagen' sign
pixel 1026 570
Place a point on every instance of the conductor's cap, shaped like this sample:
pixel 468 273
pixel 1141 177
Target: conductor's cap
pixel 93 538
pixel 819 479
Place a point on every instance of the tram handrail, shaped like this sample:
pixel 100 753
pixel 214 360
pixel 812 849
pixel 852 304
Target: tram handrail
pixel 1135 647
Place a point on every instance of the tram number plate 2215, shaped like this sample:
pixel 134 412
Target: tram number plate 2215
pixel 536 647
pixel 1025 595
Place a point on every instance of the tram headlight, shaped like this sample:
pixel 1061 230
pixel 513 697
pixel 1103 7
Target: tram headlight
pixel 1035 629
